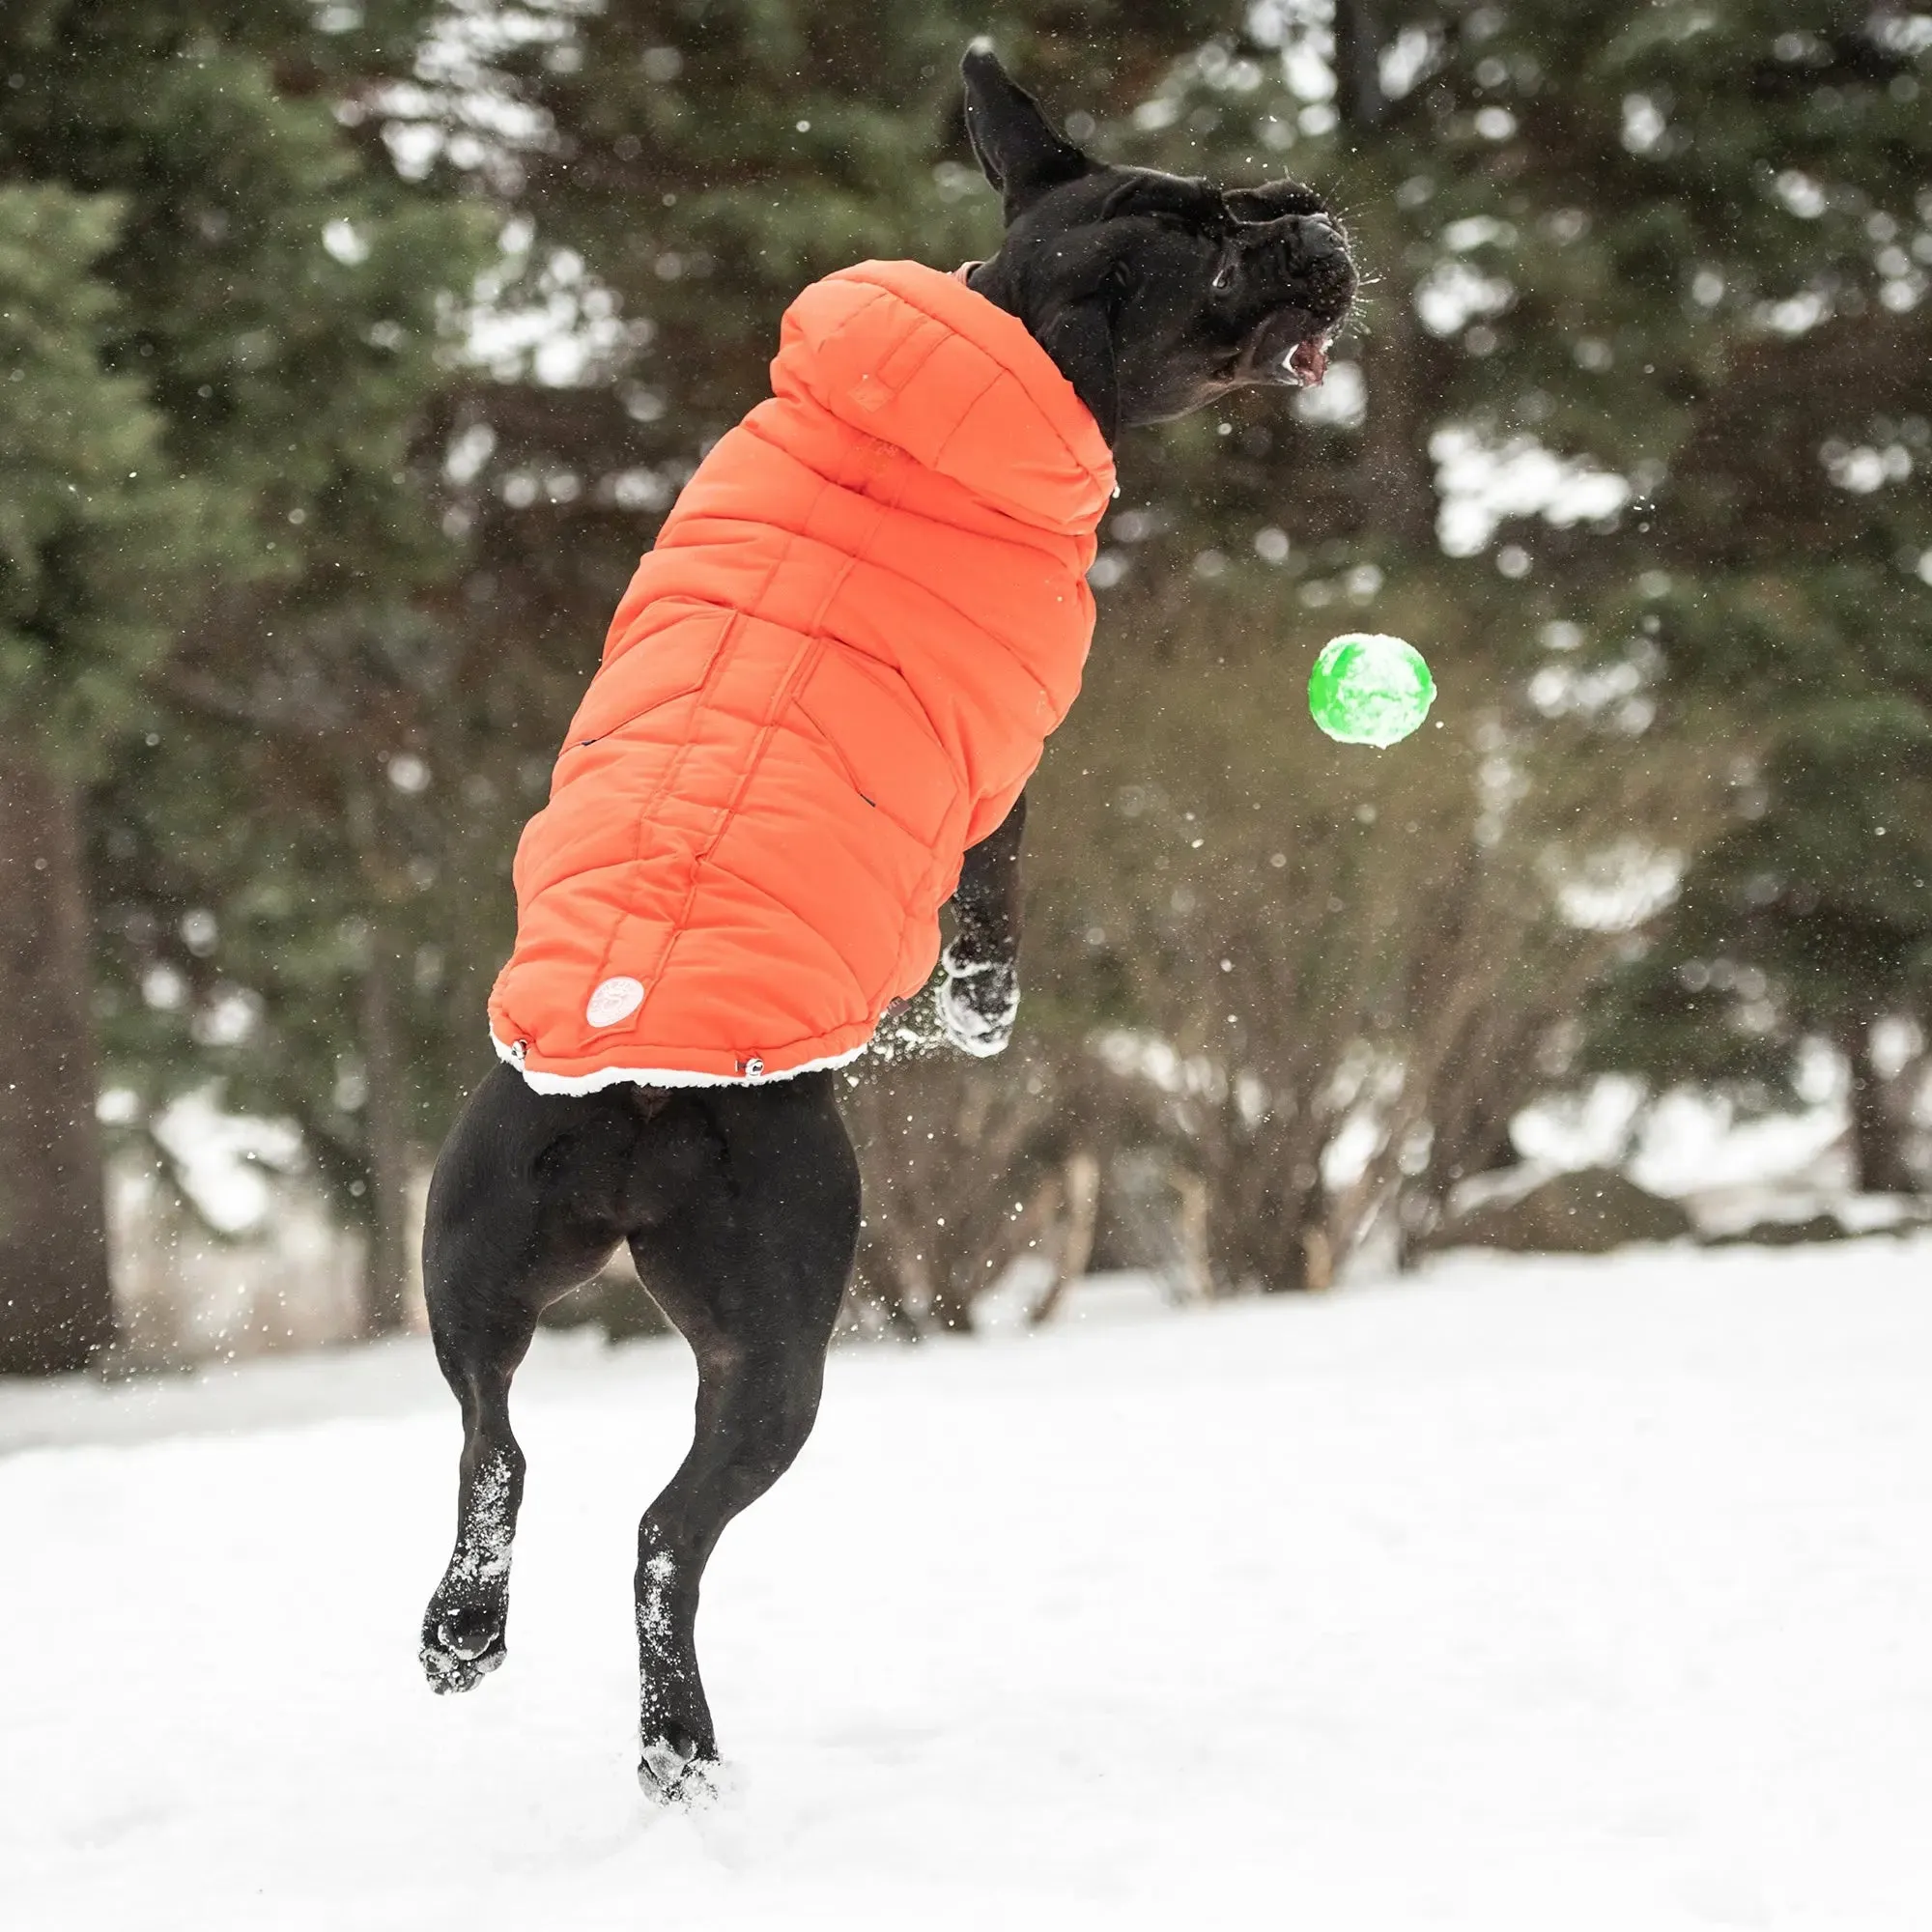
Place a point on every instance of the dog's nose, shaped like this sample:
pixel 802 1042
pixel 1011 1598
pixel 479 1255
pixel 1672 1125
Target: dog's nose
pixel 1320 238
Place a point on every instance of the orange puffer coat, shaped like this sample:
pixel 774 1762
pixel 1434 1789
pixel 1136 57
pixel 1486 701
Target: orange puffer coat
pixel 833 673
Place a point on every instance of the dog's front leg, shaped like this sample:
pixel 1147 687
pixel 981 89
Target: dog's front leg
pixel 979 997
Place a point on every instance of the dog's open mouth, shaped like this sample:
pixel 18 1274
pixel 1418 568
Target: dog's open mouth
pixel 1308 360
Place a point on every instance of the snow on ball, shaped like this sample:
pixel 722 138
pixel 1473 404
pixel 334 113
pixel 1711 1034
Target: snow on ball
pixel 1368 689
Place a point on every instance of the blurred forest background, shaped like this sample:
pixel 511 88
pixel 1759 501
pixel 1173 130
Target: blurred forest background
pixel 350 350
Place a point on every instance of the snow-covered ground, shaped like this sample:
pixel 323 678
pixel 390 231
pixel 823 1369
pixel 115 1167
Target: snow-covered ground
pixel 1531 1594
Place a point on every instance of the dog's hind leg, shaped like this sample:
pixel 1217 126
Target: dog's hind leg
pixel 750 1266
pixel 519 1212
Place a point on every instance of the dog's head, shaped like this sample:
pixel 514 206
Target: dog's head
pixel 1155 294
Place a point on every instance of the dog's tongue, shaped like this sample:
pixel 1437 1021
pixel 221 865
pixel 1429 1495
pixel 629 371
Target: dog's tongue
pixel 1308 362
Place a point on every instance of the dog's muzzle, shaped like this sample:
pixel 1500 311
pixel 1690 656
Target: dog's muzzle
pixel 1298 267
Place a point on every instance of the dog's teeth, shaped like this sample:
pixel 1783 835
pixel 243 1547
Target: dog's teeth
pixel 1308 363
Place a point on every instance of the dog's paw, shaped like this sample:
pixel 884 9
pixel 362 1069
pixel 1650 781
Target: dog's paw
pixel 460 1648
pixel 977 1004
pixel 672 1769
pixel 448 1673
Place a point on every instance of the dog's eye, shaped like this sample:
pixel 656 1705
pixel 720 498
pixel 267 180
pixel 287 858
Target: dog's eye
pixel 1223 275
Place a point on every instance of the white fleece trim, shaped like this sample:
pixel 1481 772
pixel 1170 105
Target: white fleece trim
pixel 659 1076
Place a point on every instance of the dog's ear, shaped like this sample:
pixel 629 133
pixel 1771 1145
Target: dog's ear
pixel 1272 200
pixel 1080 339
pixel 1020 150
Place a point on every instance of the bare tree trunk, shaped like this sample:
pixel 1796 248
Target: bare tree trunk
pixel 1197 1273
pixel 56 1295
pixel 1081 1183
pixel 1317 1260
pixel 1358 48
pixel 1878 1154
pixel 386 1123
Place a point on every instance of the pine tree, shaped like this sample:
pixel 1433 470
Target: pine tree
pixel 228 324
pixel 1681 246
pixel 1775 233
pixel 77 520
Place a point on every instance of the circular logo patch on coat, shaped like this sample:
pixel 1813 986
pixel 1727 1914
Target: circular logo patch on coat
pixel 614 999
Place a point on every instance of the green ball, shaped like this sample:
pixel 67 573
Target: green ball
pixel 1367 688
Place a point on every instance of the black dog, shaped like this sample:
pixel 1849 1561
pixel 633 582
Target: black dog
pixel 1154 295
